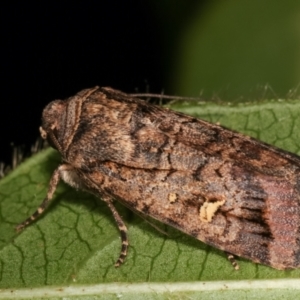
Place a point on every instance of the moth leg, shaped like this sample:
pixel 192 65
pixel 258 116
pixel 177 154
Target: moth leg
pixel 146 219
pixel 123 231
pixel 232 260
pixel 52 187
pixel 153 225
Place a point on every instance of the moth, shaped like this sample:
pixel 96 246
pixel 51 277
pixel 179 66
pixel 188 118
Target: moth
pixel 225 189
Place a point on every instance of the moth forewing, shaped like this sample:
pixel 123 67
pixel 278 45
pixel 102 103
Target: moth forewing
pixel 228 190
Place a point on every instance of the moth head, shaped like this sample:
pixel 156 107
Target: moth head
pixel 51 122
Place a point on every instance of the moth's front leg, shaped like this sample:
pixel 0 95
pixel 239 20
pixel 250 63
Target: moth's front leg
pixel 56 176
pixel 123 231
pixel 232 260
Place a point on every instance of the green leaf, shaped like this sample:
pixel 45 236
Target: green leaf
pixel 235 48
pixel 76 242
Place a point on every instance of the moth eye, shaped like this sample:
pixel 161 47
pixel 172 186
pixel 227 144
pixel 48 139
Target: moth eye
pixel 49 137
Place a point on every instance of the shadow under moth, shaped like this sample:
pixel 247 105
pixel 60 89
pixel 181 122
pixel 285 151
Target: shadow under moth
pixel 226 189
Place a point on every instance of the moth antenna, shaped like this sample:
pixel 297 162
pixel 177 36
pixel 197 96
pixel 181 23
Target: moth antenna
pixel 148 95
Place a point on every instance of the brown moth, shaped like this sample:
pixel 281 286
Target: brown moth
pixel 226 189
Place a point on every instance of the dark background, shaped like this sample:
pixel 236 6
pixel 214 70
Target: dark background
pixel 52 50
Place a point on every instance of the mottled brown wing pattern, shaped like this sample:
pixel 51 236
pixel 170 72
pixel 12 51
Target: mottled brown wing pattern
pixel 223 188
